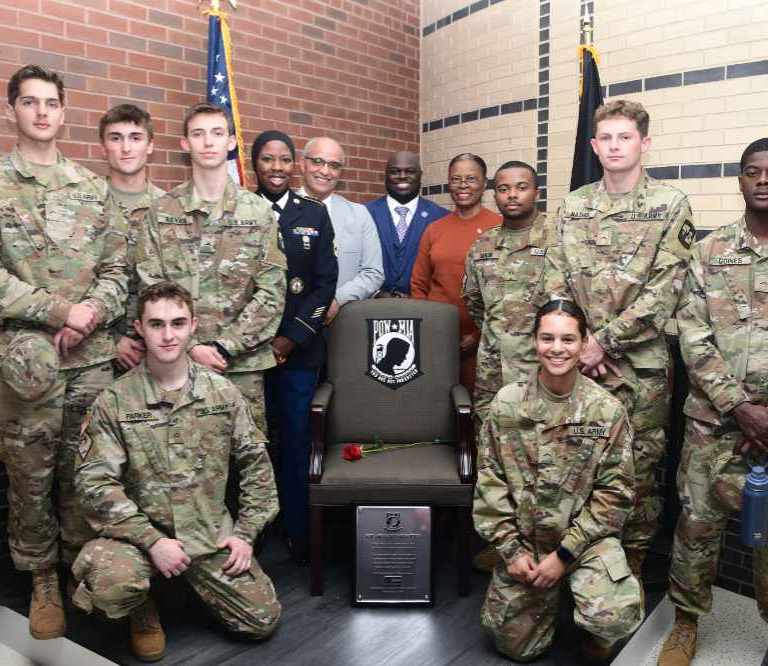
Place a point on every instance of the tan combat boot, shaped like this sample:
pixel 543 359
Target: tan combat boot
pixel 680 646
pixel 46 610
pixel 147 635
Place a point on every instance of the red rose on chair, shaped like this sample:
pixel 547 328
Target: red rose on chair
pixel 352 452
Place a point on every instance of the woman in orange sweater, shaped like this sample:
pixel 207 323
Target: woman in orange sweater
pixel 439 267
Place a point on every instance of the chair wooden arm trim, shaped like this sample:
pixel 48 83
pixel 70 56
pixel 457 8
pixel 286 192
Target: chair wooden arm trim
pixel 317 418
pixel 465 433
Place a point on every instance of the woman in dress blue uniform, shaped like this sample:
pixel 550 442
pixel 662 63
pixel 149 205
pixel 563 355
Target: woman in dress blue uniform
pixel 299 347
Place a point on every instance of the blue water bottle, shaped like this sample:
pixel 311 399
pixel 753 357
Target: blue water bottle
pixel 754 508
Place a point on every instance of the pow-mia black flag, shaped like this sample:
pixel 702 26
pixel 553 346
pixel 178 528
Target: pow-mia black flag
pixel 586 166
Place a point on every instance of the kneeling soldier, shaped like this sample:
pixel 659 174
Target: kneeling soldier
pixel 554 488
pixel 155 459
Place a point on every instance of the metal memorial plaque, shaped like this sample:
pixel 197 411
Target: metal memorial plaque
pixel 393 555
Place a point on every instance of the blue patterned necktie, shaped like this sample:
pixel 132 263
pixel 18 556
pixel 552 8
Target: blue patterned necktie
pixel 402 226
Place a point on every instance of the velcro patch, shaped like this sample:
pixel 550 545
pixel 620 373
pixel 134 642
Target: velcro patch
pixel 538 251
pixel 240 223
pixel 222 408
pixel 578 214
pixel 172 219
pixel 83 196
pixel 588 431
pixel 730 260
pixel 641 216
pixel 145 415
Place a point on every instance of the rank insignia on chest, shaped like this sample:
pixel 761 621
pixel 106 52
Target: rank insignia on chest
pixel 730 260
pixel 222 408
pixel 484 256
pixel 588 431
pixel 296 285
pixel 538 251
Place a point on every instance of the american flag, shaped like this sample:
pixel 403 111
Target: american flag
pixel 221 86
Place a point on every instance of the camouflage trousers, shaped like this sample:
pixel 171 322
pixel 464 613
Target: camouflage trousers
pixel 114 578
pixel 702 521
pixel 39 443
pixel 493 373
pixel 251 385
pixel 648 409
pixel 522 618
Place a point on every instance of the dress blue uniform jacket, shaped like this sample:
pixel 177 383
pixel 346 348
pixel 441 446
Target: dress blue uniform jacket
pixel 399 257
pixel 312 273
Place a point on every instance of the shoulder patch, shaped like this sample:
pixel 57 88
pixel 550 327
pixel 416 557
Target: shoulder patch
pixel 687 235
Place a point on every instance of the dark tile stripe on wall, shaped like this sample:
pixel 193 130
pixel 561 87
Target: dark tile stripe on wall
pixel 690 78
pixel 459 14
pixel 480 114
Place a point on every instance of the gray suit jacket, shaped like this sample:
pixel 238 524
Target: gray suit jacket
pixel 361 270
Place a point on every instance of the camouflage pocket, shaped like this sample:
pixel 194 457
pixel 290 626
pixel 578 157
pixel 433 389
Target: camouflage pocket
pixel 727 475
pixel 615 563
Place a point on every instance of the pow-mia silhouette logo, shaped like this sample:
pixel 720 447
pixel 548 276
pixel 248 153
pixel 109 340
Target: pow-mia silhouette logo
pixel 392 522
pixel 687 235
pixel 393 351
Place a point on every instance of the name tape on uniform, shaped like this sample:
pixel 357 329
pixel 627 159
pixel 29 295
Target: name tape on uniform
pixel 588 431
pixel 730 260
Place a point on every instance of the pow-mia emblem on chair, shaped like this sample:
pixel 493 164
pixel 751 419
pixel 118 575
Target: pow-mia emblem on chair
pixel 393 351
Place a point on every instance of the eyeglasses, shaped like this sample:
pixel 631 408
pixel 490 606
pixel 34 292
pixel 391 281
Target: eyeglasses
pixel 460 180
pixel 319 162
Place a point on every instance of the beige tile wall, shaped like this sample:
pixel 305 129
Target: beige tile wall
pixel 492 57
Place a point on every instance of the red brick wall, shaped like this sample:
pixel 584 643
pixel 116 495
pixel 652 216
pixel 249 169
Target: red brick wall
pixel 347 68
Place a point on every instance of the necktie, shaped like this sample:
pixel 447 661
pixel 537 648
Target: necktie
pixel 402 226
pixel 277 209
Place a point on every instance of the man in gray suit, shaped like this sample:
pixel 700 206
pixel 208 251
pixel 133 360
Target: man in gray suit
pixel 361 272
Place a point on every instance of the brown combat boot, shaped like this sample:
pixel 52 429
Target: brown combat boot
pixel 147 635
pixel 485 560
pixel 595 650
pixel 680 646
pixel 46 609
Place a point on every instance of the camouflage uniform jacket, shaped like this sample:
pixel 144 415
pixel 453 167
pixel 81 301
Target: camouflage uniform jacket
pixel 135 215
pixel 149 470
pixel 624 261
pixel 234 268
pixel 549 477
pixel 503 272
pixel 62 242
pixel 722 322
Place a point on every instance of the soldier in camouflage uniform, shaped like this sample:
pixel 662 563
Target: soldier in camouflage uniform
pixel 554 487
pixel 503 270
pixel 623 249
pixel 724 342
pixel 127 140
pixel 152 477
pixel 63 278
pixel 221 242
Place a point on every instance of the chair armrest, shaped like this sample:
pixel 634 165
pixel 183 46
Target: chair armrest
pixel 465 433
pixel 317 414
